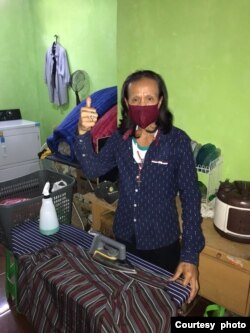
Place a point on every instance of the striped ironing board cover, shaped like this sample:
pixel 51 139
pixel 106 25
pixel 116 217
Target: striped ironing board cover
pixel 26 239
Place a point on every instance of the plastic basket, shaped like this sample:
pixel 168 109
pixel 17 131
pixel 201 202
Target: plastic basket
pixel 30 187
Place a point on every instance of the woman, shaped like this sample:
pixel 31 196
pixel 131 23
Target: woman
pixel 155 163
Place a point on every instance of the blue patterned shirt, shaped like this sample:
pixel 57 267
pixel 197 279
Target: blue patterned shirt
pixel 147 210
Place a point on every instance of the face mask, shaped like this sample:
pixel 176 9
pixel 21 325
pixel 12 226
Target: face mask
pixel 143 115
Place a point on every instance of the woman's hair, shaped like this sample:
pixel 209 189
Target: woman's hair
pixel 165 120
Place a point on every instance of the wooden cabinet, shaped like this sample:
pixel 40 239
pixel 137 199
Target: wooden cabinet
pixel 225 271
pixel 224 265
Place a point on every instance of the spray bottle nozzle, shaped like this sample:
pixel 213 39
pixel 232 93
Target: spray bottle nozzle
pixel 46 189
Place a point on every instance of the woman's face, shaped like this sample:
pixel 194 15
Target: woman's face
pixel 143 92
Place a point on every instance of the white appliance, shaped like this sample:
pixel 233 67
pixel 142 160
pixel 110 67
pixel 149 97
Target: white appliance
pixel 20 144
pixel 232 211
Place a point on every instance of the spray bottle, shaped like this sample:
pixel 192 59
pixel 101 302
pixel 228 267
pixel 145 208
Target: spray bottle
pixel 48 224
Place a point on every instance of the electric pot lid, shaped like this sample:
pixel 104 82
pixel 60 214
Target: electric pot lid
pixel 235 194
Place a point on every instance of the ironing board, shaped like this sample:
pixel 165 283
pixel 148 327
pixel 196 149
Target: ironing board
pixel 27 239
pixel 51 292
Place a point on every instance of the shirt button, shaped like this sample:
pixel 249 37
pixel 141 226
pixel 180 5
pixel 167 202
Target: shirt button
pixel 134 220
pixel 136 190
pixel 135 205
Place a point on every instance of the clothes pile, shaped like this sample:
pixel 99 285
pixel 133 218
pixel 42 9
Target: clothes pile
pixel 61 142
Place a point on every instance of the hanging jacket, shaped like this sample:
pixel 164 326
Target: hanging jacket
pixel 57 74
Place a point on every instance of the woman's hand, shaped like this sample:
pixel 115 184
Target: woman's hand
pixel 88 117
pixel 189 272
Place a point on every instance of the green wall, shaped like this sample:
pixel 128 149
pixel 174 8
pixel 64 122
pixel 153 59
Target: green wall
pixel 202 49
pixel 18 75
pixel 86 29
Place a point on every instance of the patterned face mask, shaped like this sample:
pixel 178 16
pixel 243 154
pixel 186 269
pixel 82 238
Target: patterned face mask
pixel 143 115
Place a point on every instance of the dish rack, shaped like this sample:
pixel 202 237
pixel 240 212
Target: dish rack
pixel 210 176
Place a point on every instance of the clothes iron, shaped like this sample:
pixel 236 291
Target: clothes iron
pixel 111 254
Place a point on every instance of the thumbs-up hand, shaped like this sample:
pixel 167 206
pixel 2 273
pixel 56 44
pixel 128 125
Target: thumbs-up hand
pixel 88 117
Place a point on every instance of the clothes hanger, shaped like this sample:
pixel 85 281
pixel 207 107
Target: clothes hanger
pixel 56 37
pixel 54 43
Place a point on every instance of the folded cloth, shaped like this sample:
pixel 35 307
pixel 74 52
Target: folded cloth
pixel 69 292
pixel 102 101
pixel 105 126
pixel 27 239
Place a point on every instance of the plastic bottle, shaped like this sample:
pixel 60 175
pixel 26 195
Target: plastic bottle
pixel 48 224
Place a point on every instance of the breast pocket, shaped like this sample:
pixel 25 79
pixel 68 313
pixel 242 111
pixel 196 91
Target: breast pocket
pixel 162 169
